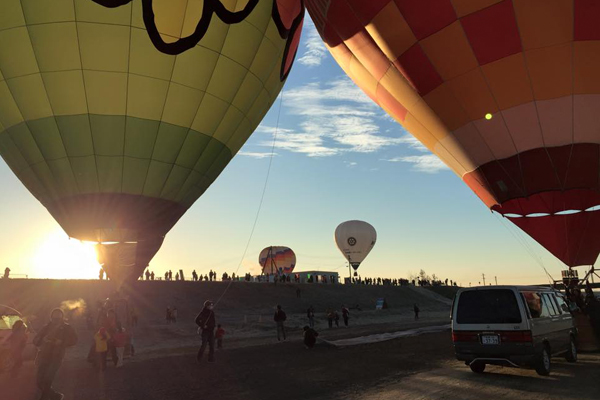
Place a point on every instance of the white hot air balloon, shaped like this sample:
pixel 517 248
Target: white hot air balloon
pixel 355 239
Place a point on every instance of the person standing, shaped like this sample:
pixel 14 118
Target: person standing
pixel 336 318
pixel 279 319
pixel 6 272
pixel 17 342
pixel 168 316
pixel 330 318
pixel 52 342
pixel 345 314
pixel 101 339
pixel 416 310
pixel 206 323
pixel 101 274
pixel 310 313
pixel 174 315
pixel 120 339
pixel 219 336
pixel 170 275
pixel 147 275
pixel 152 276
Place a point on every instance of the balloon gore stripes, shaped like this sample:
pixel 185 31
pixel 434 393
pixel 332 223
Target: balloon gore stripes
pixel 505 92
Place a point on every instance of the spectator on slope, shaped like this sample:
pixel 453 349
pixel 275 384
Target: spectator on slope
pixel 310 337
pixel 279 319
pixel 152 276
pixel 177 276
pixel 206 277
pixel 310 313
pixel 166 275
pixel 52 342
pixel 194 276
pixel 101 339
pixel 206 323
pixel 147 275
pixel 416 310
pixel 219 336
pixel 345 314
pixel 170 275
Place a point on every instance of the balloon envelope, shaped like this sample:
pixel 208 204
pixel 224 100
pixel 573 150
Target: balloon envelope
pixel 355 239
pixel 506 93
pixel 117 114
pixel 277 260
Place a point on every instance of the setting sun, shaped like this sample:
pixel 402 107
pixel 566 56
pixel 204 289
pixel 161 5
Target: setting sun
pixel 61 257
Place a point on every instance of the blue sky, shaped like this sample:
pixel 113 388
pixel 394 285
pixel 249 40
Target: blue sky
pixel 336 157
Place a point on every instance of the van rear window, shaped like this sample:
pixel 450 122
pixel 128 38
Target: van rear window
pixel 493 306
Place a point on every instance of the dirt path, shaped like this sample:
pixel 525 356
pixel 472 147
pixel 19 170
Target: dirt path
pixel 406 368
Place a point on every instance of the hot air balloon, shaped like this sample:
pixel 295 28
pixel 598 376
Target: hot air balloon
pixel 118 114
pixel 277 260
pixel 506 93
pixel 355 239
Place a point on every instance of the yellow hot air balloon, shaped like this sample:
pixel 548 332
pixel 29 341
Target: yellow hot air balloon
pixel 118 114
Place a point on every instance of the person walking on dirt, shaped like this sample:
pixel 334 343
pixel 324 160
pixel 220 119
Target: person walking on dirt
pixel 345 314
pixel 52 342
pixel 219 336
pixel 330 318
pixel 279 319
pixel 310 337
pixel 310 313
pixel 416 310
pixel 206 323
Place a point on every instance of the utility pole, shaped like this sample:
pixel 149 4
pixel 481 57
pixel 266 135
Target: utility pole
pixel 496 279
pixel 483 275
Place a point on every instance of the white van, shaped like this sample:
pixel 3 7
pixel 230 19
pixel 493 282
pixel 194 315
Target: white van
pixel 518 326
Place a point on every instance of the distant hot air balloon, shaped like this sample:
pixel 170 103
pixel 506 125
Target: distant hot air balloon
pixel 277 260
pixel 505 92
pixel 118 114
pixel 355 239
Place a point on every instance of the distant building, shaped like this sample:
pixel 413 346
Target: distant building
pixel 324 277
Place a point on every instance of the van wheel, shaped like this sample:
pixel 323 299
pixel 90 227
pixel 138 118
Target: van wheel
pixel 571 355
pixel 544 362
pixel 477 367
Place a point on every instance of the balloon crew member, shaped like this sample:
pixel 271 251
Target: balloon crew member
pixel 219 336
pixel 120 339
pixel 279 319
pixel 52 342
pixel 206 327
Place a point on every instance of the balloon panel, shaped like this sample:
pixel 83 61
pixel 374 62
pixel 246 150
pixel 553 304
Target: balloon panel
pixel 117 115
pixel 276 259
pixel 504 92
pixel 355 239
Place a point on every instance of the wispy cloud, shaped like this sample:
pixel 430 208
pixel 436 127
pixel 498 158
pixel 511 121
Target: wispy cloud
pixel 315 50
pixel 335 117
pixel 259 155
pixel 429 163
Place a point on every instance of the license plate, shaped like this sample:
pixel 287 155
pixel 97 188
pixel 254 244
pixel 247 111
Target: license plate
pixel 490 339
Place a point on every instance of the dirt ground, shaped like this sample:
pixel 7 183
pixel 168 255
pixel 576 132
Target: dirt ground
pixel 407 368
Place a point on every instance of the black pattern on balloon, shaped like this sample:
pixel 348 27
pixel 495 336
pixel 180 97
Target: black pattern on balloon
pixel 211 7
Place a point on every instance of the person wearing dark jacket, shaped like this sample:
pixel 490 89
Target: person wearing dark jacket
pixel 206 323
pixel 279 319
pixel 310 337
pixel 52 342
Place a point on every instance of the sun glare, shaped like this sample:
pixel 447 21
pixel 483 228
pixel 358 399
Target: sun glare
pixel 59 257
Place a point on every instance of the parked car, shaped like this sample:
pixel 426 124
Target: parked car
pixel 517 326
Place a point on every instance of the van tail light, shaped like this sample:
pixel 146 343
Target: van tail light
pixel 464 336
pixel 516 337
